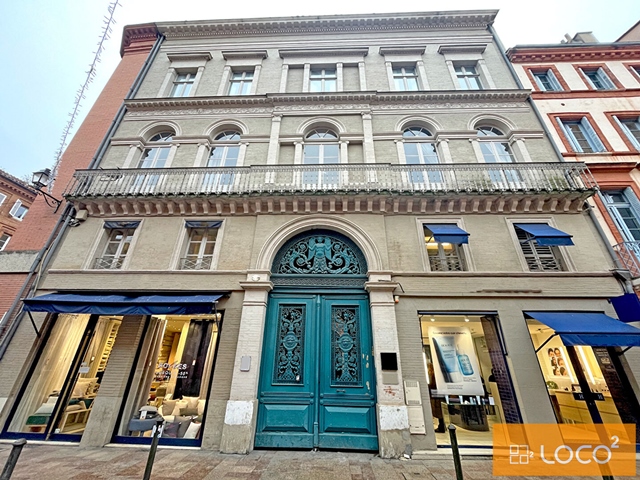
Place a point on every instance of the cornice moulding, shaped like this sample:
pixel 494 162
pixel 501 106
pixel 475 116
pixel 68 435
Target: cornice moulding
pixel 402 50
pixel 468 48
pixel 311 52
pixel 189 56
pixel 572 54
pixel 239 54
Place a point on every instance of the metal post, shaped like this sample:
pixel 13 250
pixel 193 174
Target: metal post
pixel 13 459
pixel 156 433
pixel 455 451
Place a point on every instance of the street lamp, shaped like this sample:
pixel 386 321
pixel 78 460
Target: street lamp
pixel 39 180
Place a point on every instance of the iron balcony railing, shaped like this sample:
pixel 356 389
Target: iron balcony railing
pixel 629 255
pixel 338 178
pixel 108 262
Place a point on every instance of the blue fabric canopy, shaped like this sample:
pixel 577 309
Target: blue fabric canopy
pixel 206 224
pixel 122 304
pixel 448 233
pixel 587 328
pixel 123 224
pixel 546 235
pixel 627 307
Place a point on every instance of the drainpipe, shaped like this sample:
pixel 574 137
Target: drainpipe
pixel 529 99
pixel 62 224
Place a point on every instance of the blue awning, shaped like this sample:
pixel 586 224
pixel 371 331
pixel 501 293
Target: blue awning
pixel 206 224
pixel 546 235
pixel 448 233
pixel 587 328
pixel 123 304
pixel 627 307
pixel 123 224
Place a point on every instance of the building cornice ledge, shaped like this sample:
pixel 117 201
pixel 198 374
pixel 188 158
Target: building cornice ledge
pixel 336 98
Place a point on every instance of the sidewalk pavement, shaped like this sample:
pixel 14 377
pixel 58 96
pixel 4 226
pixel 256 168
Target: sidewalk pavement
pixel 63 462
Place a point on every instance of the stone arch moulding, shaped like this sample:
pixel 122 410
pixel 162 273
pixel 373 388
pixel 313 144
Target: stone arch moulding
pixel 277 239
pixel 321 122
pixel 226 124
pixel 426 122
pixel 150 130
pixel 498 121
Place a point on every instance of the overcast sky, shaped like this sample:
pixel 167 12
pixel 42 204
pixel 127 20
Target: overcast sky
pixel 47 46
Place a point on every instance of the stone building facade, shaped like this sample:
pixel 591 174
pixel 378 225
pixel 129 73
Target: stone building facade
pixel 330 232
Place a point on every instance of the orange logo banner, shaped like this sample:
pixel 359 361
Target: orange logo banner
pixel 563 450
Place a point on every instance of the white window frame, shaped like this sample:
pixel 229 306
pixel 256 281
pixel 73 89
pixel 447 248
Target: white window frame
pixel 551 77
pixel 336 77
pixel 182 63
pixel 6 242
pixel 500 179
pixel 182 85
pixel 632 203
pixel 590 135
pixel 182 244
pixel 404 75
pixel 635 141
pixel 602 76
pixel 466 250
pixel 16 207
pixel 3 197
pixel 120 246
pixel 100 242
pixel 467 54
pixel 462 76
pixel 402 156
pixel 560 251
pixel 242 82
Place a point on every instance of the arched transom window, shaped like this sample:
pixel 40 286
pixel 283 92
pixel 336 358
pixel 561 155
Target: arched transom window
pixel 226 149
pixel 494 149
pixel 156 153
pixel 321 148
pixel 420 149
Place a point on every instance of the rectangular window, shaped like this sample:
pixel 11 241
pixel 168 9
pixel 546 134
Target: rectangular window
pixel 4 240
pixel 116 249
pixel 200 246
pixel 3 197
pixel 182 84
pixel 323 80
pixel 624 208
pixel 240 82
pixel 598 79
pixel 631 128
pixel 468 77
pixel 18 211
pixel 581 136
pixel 405 79
pixel 540 258
pixel 444 256
pixel 547 81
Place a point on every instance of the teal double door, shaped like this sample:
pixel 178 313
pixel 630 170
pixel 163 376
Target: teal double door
pixel 317 381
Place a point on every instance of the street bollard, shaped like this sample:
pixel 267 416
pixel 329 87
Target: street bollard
pixel 156 433
pixel 455 451
pixel 13 459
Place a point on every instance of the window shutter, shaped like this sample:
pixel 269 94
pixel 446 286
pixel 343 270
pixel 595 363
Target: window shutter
pixel 15 208
pixel 538 82
pixel 630 195
pixel 554 81
pixel 575 146
pixel 598 146
pixel 604 78
pixel 627 132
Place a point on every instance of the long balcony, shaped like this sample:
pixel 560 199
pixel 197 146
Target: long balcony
pixel 542 186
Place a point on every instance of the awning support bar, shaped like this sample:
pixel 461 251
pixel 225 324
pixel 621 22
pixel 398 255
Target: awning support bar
pixel 33 322
pixel 545 342
pixel 623 351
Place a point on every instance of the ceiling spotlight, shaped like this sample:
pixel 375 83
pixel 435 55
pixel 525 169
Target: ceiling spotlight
pixel 466 319
pixel 433 319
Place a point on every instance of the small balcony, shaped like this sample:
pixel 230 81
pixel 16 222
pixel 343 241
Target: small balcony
pixel 629 255
pixel 118 190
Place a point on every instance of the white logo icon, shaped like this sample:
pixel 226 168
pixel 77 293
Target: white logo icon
pixel 519 454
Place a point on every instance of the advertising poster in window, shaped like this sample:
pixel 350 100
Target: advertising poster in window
pixel 455 363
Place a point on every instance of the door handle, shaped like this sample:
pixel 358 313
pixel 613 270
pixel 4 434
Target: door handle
pixel 341 390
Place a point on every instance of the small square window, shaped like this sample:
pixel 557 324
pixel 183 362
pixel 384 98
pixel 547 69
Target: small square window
pixel 323 80
pixel 405 78
pixel 4 240
pixel 444 256
pixel 598 78
pixel 240 82
pixel 200 246
pixel 539 258
pixel 182 85
pixel 18 211
pixel 468 77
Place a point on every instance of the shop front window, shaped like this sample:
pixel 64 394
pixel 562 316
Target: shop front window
pixel 599 368
pixel 172 380
pixel 468 380
pixel 59 396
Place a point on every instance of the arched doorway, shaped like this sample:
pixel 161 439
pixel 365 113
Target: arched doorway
pixel 317 380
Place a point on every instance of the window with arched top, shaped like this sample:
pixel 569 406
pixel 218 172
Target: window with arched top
pixel 420 149
pixel 225 150
pixel 156 151
pixel 495 149
pixel 321 147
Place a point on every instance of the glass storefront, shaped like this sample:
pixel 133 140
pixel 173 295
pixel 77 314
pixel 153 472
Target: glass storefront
pixel 172 379
pixel 59 396
pixel 467 377
pixel 562 384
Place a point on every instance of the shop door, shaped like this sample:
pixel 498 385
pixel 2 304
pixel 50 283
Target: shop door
pixel 317 385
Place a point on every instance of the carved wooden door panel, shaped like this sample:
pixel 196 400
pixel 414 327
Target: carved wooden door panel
pixel 317 384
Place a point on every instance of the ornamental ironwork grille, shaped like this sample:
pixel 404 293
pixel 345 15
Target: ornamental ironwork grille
pixel 345 346
pixel 320 257
pixel 290 345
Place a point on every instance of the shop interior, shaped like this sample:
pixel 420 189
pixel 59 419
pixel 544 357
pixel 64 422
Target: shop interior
pixel 69 372
pixel 173 376
pixel 560 376
pixel 465 393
